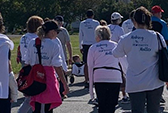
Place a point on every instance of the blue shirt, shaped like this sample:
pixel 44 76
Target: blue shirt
pixel 164 30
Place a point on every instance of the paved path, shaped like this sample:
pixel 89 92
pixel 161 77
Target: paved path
pixel 78 101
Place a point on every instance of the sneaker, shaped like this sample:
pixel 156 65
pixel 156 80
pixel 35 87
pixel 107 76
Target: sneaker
pixel 162 100
pixel 64 97
pixel 125 100
pixel 95 102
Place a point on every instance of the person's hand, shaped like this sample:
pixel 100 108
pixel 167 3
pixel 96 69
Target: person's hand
pixel 66 89
pixel 81 50
pixel 70 61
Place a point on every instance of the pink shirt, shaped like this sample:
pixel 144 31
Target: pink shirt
pixel 99 55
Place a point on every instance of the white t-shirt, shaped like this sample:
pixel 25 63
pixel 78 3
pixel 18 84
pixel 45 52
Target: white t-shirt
pixel 78 70
pixel 141 47
pixel 5 45
pixel 24 41
pixel 64 64
pixel 116 32
pixel 87 32
pixel 99 55
pixel 127 26
pixel 64 38
pixel 50 53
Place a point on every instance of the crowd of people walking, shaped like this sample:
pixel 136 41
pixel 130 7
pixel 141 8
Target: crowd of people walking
pixel 119 56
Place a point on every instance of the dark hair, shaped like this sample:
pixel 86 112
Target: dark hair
pixel 143 16
pixel 50 25
pixel 75 57
pixel 89 13
pixel 46 27
pixel 59 18
pixel 33 23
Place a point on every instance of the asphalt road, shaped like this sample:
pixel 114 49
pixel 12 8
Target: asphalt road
pixel 78 101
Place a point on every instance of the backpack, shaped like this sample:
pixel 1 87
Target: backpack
pixel 32 79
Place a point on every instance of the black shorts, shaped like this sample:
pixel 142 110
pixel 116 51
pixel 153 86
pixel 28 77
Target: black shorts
pixel 85 52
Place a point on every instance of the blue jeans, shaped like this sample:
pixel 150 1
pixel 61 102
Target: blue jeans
pixel 151 97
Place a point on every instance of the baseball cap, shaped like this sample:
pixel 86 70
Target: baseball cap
pixel 50 25
pixel 156 9
pixel 115 16
pixel 59 18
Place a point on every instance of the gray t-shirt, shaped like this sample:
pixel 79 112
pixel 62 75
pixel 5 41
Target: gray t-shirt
pixel 64 38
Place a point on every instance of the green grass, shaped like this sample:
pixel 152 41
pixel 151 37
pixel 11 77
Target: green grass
pixel 16 67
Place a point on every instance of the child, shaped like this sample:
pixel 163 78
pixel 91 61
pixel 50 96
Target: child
pixel 78 66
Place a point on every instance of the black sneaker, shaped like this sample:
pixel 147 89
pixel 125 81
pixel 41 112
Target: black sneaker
pixel 95 102
pixel 125 100
pixel 162 100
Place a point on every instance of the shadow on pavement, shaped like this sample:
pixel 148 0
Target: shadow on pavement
pixel 19 101
pixel 78 93
pixel 77 84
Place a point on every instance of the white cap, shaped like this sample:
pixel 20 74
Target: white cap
pixel 115 16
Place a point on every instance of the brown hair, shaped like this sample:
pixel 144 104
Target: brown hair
pixel 143 16
pixel 103 22
pixel 33 23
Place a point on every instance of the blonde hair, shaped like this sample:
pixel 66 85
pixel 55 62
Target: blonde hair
pixel 103 32
pixel 40 32
pixel 103 22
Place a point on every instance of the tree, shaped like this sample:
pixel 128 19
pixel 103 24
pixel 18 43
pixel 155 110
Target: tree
pixel 16 12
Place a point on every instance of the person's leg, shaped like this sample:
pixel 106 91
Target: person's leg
pixel 107 94
pixel 25 106
pixel 5 106
pixel 112 97
pixel 47 108
pixel 153 100
pixel 85 52
pixel 86 72
pixel 125 97
pixel 101 93
pixel 137 102
pixel 37 107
